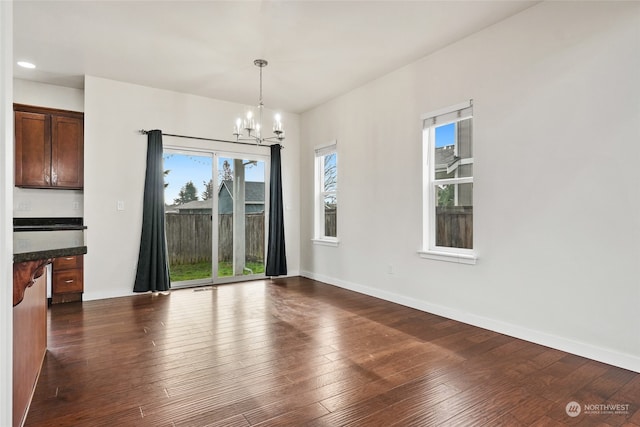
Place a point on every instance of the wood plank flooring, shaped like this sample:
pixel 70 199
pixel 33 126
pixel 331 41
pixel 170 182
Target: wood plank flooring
pixel 295 352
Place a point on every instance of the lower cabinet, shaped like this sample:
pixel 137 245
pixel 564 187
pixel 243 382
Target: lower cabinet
pixel 29 345
pixel 68 279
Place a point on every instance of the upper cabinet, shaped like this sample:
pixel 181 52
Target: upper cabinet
pixel 49 148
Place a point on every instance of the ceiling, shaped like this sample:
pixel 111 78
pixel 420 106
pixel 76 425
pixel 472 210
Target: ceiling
pixel 316 49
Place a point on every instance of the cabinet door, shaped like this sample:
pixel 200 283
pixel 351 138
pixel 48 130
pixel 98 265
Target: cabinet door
pixel 67 152
pixel 32 149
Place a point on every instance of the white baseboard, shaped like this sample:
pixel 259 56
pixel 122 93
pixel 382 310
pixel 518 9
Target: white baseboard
pixel 622 360
pixel 117 293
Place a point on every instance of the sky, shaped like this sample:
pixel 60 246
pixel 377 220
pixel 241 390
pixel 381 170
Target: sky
pixel 445 135
pixel 198 169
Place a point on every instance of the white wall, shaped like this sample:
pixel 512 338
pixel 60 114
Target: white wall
pixel 557 231
pixel 115 162
pixel 45 95
pixel 35 202
pixel 6 223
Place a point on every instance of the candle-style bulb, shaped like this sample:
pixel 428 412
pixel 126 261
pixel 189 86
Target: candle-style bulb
pixel 277 124
pixel 249 123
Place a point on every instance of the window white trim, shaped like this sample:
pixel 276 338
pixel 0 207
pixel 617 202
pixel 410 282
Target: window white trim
pixel 458 258
pixel 430 121
pixel 323 149
pixel 327 241
pixel 320 152
pixel 447 110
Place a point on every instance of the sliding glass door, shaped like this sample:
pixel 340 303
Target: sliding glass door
pixel 215 216
pixel 188 199
pixel 241 216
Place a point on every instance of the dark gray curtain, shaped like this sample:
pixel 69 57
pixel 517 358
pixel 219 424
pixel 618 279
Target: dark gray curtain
pixel 153 262
pixel 276 254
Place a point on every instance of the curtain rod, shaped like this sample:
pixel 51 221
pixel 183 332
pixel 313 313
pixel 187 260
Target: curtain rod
pixel 144 132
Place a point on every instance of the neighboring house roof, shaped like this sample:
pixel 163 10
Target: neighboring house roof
pixel 170 208
pixel 254 200
pixel 444 156
pixel 446 160
pixel 196 204
pixel 253 191
pixel 254 197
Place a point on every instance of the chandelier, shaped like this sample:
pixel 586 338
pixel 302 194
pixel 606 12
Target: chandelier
pixel 252 125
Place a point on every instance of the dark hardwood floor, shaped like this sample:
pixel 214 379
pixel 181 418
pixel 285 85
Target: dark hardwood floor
pixel 301 353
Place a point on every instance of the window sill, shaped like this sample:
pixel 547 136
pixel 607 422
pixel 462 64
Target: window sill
pixel 449 257
pixel 325 242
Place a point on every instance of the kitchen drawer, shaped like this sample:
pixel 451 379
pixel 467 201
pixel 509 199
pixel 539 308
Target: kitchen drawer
pixel 67 263
pixel 65 281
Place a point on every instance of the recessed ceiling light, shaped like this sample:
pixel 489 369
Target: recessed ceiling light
pixel 25 64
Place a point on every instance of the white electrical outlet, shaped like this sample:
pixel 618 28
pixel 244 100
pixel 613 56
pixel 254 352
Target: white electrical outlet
pixel 75 206
pixel 120 205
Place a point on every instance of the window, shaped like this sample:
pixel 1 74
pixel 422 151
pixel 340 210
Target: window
pixel 326 192
pixel 448 184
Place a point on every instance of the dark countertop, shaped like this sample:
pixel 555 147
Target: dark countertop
pixel 51 253
pixel 48 224
pixel 26 228
pixel 37 239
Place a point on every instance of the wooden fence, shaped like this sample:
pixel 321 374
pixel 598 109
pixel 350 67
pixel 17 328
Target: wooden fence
pixel 189 237
pixel 330 223
pixel 454 227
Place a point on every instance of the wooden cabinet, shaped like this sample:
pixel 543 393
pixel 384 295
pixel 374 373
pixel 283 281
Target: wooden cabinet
pixel 49 148
pixel 29 342
pixel 68 279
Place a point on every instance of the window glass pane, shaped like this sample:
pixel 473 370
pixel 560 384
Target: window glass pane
pixel 465 171
pixel 188 193
pixel 453 145
pixel 455 169
pixel 330 214
pixel 442 174
pixel 454 215
pixel 445 151
pixel 465 146
pixel 330 172
pixel 445 136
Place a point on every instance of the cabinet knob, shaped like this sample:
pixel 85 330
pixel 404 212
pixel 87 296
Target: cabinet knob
pixel 68 281
pixel 69 258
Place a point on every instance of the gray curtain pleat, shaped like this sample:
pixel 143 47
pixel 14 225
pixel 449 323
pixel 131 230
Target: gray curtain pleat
pixel 276 253
pixel 153 266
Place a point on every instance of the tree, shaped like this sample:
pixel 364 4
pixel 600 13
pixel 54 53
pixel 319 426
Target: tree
pixel 446 195
pixel 166 173
pixel 188 193
pixel 227 173
pixel 330 180
pixel 208 190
